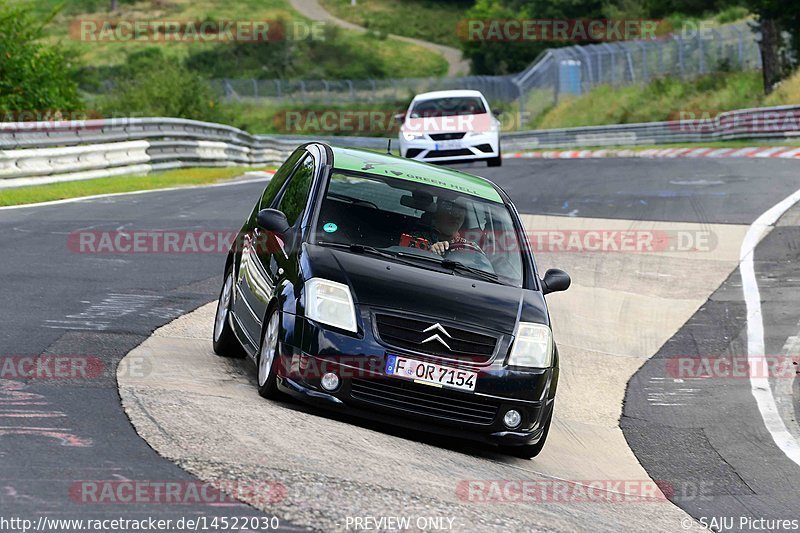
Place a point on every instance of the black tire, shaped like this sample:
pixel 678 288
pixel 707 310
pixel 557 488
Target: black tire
pixel 270 342
pixel 225 342
pixel 495 161
pixel 529 451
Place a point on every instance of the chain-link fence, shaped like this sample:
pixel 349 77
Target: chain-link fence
pixel 557 71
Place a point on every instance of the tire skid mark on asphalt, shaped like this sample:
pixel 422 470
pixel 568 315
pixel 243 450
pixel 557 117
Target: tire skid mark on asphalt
pixel 12 393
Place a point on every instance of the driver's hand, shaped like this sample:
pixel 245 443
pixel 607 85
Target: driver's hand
pixel 440 247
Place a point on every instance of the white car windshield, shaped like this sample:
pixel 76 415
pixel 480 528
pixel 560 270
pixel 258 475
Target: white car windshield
pixel 445 107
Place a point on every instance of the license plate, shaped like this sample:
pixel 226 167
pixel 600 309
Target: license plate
pixel 430 374
pixel 449 145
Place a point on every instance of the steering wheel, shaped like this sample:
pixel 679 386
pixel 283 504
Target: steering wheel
pixel 464 246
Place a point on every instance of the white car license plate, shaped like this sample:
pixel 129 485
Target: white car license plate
pixel 449 145
pixel 430 374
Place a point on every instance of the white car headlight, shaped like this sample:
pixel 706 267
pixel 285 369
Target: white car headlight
pixel 411 136
pixel 533 346
pixel 330 303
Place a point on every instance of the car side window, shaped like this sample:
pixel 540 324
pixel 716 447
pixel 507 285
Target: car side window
pixel 280 177
pixel 295 196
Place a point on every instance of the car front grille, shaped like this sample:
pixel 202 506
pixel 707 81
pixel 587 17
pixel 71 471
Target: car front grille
pixel 447 136
pixel 455 343
pixel 409 397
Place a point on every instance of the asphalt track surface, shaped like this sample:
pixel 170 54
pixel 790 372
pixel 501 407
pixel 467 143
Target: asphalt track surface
pixel 66 303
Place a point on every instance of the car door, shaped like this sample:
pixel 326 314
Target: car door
pixel 252 281
pixel 268 254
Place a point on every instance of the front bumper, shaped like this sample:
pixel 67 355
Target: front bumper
pixel 366 391
pixel 471 147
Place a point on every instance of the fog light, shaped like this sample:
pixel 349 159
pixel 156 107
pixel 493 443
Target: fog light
pixel 330 382
pixel 512 418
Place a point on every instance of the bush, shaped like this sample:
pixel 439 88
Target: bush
pixel 151 85
pixel 34 77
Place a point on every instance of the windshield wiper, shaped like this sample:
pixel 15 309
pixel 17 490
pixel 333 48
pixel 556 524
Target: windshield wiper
pixel 362 249
pixel 453 265
pixel 458 265
pixel 408 259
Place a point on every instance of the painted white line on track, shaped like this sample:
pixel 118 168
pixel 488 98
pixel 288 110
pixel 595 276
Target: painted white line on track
pixel 146 191
pixel 759 380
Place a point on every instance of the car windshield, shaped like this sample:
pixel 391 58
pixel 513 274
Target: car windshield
pixel 431 226
pixel 446 107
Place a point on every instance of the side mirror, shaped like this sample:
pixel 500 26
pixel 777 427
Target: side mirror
pixel 272 220
pixel 400 118
pixel 497 112
pixel 555 280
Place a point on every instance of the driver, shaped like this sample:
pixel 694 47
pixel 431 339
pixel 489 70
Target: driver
pixel 444 231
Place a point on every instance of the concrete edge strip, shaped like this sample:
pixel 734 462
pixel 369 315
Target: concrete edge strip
pixel 785 152
pixel 759 382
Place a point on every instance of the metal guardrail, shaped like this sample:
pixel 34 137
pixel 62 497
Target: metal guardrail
pixel 758 124
pixel 44 152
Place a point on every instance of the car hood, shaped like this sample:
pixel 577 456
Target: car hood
pixel 376 282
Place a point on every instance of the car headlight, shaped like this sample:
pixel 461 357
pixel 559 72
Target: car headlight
pixel 330 303
pixel 411 136
pixel 533 346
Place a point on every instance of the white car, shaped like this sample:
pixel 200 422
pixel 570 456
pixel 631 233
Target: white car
pixel 447 126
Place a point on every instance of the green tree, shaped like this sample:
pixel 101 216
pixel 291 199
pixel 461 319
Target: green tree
pixel 504 57
pixel 34 76
pixel 779 25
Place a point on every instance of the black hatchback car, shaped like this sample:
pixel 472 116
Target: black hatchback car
pixel 394 290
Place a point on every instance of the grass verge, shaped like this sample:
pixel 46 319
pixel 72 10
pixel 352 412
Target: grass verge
pixel 435 21
pixel 158 180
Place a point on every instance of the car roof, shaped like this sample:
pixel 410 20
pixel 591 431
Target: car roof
pixel 368 162
pixel 447 94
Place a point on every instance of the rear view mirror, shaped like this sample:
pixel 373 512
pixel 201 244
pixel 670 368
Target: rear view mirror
pixel 272 220
pixel 555 280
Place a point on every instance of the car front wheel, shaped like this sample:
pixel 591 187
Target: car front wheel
pixel 225 342
pixel 267 358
